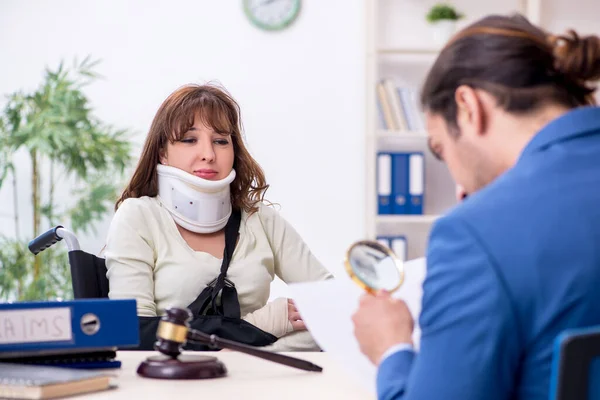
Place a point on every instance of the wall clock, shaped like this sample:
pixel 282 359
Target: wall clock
pixel 272 15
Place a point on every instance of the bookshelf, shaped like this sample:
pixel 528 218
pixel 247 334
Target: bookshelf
pixel 399 49
pixel 408 51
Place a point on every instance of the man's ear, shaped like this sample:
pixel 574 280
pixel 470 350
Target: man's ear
pixel 461 193
pixel 470 117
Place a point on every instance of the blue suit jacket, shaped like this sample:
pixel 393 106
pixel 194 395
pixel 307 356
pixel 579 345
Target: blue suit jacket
pixel 507 271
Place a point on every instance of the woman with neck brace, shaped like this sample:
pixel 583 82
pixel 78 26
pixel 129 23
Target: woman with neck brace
pixel 166 240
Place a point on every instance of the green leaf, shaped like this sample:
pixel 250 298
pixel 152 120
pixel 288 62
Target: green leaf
pixel 56 122
pixel 95 200
pixel 443 11
pixel 5 165
pixel 16 269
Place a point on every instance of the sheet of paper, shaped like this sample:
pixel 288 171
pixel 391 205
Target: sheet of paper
pixel 327 307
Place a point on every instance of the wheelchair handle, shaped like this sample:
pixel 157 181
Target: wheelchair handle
pixel 49 238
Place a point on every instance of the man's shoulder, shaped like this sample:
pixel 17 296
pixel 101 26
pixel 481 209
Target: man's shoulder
pixel 519 220
pixel 496 223
pixel 503 203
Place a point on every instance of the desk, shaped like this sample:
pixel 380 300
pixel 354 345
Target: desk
pixel 248 378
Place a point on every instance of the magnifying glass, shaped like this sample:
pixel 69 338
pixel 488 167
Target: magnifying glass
pixel 374 266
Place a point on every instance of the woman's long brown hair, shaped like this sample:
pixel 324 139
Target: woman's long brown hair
pixel 219 111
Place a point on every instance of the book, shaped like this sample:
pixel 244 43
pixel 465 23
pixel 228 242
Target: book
pixel 386 107
pixel 19 381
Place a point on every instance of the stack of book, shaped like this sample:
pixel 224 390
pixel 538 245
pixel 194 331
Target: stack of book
pixel 39 382
pixel 398 107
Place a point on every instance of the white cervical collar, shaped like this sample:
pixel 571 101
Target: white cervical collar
pixel 196 204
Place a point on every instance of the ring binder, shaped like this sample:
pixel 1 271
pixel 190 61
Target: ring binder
pixel 56 327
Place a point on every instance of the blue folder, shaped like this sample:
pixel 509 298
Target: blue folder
pixel 400 181
pixel 416 182
pixel 384 183
pixel 396 243
pixel 58 327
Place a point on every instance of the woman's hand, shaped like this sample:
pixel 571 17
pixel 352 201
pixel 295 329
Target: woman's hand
pixel 294 317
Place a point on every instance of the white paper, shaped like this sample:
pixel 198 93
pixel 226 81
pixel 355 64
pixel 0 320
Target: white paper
pixel 35 325
pixel 327 308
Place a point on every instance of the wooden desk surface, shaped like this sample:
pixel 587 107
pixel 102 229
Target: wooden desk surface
pixel 248 378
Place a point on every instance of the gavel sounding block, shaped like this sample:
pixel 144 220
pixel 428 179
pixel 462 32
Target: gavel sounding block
pixel 186 366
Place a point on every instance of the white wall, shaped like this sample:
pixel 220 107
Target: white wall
pixel 582 15
pixel 301 91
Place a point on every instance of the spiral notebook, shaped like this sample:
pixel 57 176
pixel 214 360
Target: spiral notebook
pixel 19 381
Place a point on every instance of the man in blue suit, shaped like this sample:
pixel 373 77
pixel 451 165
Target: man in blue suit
pixel 508 108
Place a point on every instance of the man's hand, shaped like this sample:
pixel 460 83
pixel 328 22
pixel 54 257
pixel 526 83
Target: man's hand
pixel 380 323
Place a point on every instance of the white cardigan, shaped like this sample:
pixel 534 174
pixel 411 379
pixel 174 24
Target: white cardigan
pixel 148 260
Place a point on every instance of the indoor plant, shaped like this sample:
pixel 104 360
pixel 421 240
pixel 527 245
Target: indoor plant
pixel 55 127
pixel 442 17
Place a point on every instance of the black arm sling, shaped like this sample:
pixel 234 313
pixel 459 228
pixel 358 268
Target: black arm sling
pixel 210 317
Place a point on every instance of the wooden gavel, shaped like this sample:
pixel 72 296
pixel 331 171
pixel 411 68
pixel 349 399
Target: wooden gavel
pixel 174 331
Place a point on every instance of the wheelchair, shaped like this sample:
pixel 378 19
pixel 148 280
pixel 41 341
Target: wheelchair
pixel 88 272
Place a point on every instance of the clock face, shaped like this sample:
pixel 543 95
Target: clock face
pixel 272 14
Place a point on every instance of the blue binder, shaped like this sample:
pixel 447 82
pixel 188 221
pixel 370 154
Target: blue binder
pixel 399 246
pixel 397 243
pixel 416 182
pixel 384 183
pixel 61 326
pixel 384 240
pixel 400 183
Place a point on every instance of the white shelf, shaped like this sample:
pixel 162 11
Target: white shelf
pixel 406 64
pixel 407 218
pixel 400 135
pixel 408 51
